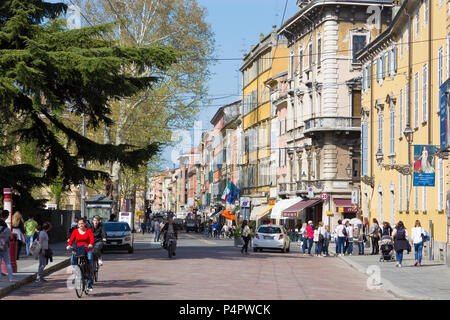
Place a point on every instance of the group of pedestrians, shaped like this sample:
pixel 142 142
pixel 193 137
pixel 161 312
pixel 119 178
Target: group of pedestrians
pixel 318 237
pixel 346 235
pixel 29 234
pixel 218 230
pixel 153 226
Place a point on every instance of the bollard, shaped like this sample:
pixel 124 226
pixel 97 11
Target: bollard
pixel 12 255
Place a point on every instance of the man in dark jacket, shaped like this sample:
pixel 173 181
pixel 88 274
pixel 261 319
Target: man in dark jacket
pixel 99 238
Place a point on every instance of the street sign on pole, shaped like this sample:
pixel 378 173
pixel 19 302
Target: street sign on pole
pixel 324 196
pixel 310 193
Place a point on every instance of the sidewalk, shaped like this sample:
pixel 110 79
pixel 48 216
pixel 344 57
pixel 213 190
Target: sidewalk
pixel 27 266
pixel 429 282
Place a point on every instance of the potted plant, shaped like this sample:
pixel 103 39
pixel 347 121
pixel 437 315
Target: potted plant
pixel 238 241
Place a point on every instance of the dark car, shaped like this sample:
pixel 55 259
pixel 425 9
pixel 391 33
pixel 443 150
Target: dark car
pixel 118 236
pixel 192 225
pixel 179 224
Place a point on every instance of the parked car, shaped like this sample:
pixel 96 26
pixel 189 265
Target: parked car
pixel 271 237
pixel 179 223
pixel 192 225
pixel 118 236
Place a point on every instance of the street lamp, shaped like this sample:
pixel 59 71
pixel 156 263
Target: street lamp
pixel 349 170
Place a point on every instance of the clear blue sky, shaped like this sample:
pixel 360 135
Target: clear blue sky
pixel 237 25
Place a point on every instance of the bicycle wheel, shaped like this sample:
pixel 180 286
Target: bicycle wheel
pixel 78 281
pixel 96 267
pixel 170 250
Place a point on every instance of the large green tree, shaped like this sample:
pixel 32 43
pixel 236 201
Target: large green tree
pixel 172 103
pixel 48 72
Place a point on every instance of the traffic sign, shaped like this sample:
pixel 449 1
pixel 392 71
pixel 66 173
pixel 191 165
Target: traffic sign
pixel 324 196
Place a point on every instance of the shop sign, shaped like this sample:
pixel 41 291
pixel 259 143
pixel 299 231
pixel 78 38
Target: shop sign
pixel 290 214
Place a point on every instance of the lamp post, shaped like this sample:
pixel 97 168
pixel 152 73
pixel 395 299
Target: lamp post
pixel 408 134
pixel 349 170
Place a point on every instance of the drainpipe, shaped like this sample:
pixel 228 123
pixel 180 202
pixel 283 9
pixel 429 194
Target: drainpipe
pixel 429 71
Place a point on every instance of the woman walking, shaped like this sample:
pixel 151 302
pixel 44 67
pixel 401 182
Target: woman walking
pixel 18 227
pixel 400 242
pixel 417 234
pixel 326 241
pixel 374 234
pixel 340 236
pixel 43 241
pixel 245 236
pixel 319 237
pixel 304 238
pixel 310 231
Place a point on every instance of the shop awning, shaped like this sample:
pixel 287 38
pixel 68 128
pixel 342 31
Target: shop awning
pixel 343 202
pixel 260 212
pixel 294 210
pixel 282 205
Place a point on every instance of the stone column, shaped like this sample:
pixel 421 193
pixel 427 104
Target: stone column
pixel 330 65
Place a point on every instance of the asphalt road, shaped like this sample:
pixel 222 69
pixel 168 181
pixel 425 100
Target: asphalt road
pixel 211 269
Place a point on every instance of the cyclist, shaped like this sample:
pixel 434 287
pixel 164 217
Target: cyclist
pixel 99 238
pixel 84 237
pixel 169 227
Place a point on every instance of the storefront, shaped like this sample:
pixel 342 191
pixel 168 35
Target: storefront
pixel 276 214
pixel 260 214
pixel 345 209
pixel 302 211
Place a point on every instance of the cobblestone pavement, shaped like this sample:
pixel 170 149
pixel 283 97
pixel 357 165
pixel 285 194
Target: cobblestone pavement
pixel 206 269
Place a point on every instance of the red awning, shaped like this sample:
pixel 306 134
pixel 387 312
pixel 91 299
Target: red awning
pixel 299 206
pixel 343 202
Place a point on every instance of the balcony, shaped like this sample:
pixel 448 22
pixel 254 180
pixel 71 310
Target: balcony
pixel 324 124
pixel 295 134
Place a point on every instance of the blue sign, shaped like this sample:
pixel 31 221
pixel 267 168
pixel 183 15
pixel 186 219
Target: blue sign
pixel 424 166
pixel 444 111
pixel 204 208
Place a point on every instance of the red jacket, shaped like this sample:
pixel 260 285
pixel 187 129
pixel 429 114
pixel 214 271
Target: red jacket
pixel 82 239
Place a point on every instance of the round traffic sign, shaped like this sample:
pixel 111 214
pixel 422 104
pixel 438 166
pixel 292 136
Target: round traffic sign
pixel 324 196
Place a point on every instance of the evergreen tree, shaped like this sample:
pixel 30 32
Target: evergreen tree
pixel 47 72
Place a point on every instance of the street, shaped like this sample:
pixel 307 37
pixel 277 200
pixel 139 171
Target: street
pixel 211 269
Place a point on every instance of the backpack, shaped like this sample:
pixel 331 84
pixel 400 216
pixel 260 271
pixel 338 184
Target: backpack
pixel 401 234
pixel 344 231
pixel 4 239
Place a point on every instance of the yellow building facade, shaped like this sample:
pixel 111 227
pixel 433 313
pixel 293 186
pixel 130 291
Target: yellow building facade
pixel 268 58
pixel 403 69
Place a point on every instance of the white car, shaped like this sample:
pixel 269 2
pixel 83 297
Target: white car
pixel 118 236
pixel 271 237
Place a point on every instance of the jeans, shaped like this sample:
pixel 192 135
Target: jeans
pixel 305 245
pixel 319 247
pixel 74 261
pixel 361 247
pixel 350 247
pixel 5 256
pixel 156 236
pixel 418 251
pixel 42 264
pixel 340 245
pixel 28 242
pixel 325 248
pixel 399 256
pixel 245 246
pixel 310 245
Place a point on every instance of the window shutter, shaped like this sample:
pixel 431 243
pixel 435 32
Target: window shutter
pixel 365 149
pixel 364 78
pixel 400 199
pixel 378 70
pixel 369 80
pixel 395 59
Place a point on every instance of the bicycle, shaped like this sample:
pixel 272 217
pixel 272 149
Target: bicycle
pixel 81 271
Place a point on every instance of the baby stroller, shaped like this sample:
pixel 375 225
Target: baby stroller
pixel 386 247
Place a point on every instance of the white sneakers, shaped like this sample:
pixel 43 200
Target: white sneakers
pixel 100 262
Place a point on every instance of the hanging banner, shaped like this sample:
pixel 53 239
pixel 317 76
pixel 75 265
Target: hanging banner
pixel 424 166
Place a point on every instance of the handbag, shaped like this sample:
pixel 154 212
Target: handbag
pixel 35 248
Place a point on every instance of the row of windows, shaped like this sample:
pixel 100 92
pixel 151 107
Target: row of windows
pixel 259 65
pixel 404 193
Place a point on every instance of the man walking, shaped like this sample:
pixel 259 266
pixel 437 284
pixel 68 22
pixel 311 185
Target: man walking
pixel 30 229
pixel 156 226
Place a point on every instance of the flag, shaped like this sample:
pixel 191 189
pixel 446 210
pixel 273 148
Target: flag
pixel 231 193
pixel 226 192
